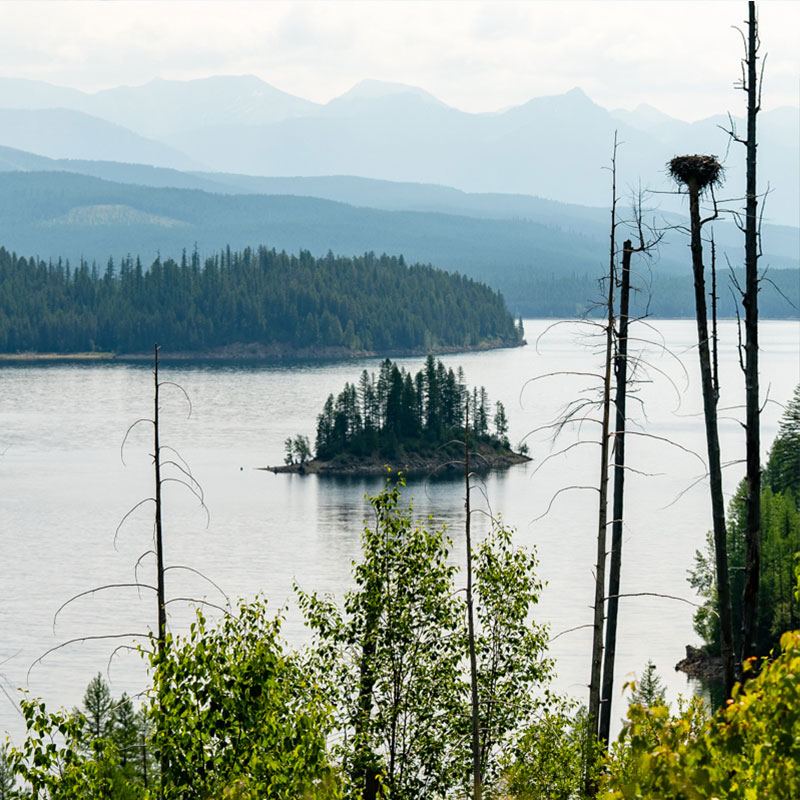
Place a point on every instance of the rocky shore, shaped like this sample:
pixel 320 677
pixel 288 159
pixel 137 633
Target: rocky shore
pixel 698 664
pixel 409 464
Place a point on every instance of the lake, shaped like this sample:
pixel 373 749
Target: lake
pixel 65 490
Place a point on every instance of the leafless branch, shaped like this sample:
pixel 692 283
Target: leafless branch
pixel 561 453
pixel 669 441
pixel 122 521
pixel 81 640
pixel 197 572
pixel 185 394
pixel 127 432
pixel 570 630
pixel 94 591
pixel 553 499
pixel 224 610
pixel 664 596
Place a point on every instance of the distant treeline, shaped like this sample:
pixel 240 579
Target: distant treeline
pixel 400 410
pixel 372 303
pixel 540 294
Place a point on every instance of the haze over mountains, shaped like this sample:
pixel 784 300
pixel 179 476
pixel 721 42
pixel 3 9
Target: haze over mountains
pixel 385 167
pixel 551 147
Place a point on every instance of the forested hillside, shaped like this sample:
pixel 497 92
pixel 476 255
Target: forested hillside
pixel 544 258
pixel 290 303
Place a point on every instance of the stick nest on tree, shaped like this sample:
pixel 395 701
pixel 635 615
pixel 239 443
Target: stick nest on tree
pixel 702 170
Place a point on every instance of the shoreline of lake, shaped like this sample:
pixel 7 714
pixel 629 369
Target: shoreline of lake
pixel 412 464
pixel 254 351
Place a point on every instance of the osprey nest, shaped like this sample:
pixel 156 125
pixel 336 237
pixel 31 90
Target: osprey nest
pixel 702 170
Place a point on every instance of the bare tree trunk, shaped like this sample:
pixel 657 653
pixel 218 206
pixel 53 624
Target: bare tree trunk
pixel 710 398
pixel 615 568
pixel 363 774
pixel 160 593
pixel 602 514
pixel 477 778
pixel 162 609
pixel 750 302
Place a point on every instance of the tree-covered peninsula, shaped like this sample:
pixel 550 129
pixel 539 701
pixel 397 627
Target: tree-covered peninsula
pixel 410 422
pixel 257 303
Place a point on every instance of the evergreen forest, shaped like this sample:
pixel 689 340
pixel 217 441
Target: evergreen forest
pixel 778 599
pixel 295 303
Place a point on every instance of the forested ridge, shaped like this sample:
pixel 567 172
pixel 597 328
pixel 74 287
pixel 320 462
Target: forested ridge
pixel 367 303
pixel 544 263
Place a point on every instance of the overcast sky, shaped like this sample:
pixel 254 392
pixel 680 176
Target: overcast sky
pixel 680 56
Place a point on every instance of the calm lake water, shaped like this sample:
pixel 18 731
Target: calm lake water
pixel 65 489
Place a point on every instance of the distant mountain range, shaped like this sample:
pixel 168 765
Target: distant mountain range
pixel 551 147
pixel 118 172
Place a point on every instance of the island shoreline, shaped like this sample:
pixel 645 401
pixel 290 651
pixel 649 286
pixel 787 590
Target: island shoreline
pixel 253 352
pixel 408 465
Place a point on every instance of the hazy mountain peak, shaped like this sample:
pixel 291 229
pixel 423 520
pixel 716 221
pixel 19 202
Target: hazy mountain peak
pixel 371 89
pixel 576 93
pixel 644 117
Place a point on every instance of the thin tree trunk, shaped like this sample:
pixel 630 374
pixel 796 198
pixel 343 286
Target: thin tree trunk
pixel 160 593
pixel 712 442
pixel 615 568
pixel 602 514
pixel 363 774
pixel 477 778
pixel 750 302
pixel 162 608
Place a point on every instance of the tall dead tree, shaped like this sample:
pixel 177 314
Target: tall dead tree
pixel 698 173
pixel 160 595
pixel 477 777
pixel 615 567
pixel 602 510
pixel 751 83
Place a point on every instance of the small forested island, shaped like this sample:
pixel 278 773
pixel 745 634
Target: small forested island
pixel 250 304
pixel 412 423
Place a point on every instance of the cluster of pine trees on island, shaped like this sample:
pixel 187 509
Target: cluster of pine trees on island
pixel 398 414
pixel 367 303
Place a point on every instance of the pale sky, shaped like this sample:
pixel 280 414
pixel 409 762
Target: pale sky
pixel 681 56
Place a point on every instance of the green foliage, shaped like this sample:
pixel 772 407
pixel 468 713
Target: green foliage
pixel 8 780
pixel 510 647
pixel 650 690
pixel 778 608
pixel 548 761
pixel 782 473
pixel 59 760
pixel 298 448
pixel 749 750
pixel 395 656
pixel 281 301
pixel 501 424
pixel 392 656
pixel 236 716
pixel 98 709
